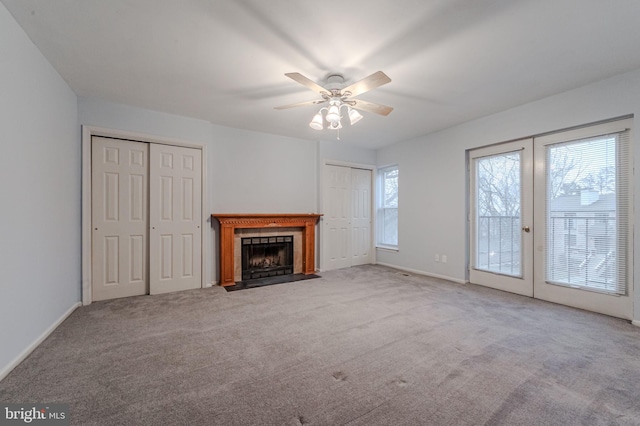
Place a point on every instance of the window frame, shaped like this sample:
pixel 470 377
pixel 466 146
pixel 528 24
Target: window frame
pixel 381 209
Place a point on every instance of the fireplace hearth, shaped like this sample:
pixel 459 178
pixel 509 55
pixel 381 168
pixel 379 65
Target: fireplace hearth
pixel 264 257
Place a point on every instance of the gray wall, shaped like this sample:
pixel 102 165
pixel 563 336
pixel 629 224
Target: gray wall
pixel 433 178
pixel 40 193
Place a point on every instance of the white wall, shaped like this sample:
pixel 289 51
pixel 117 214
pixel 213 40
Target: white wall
pixel 247 172
pixel 110 115
pixel 261 173
pixel 40 193
pixel 433 178
pixel 253 172
pixel 340 150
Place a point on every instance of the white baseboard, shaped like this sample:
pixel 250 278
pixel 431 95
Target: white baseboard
pixel 428 274
pixel 25 353
pixel 636 323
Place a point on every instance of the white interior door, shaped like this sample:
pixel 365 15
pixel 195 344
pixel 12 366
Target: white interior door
pixel 360 216
pixel 337 215
pixel 501 246
pixel 175 199
pixel 119 218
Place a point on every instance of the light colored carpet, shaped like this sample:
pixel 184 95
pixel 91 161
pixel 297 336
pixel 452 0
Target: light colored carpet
pixel 359 346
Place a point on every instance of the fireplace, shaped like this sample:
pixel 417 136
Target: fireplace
pixel 267 257
pixel 234 226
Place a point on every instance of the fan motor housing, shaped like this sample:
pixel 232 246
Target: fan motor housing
pixel 334 82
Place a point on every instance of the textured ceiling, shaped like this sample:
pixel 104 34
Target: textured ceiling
pixel 224 61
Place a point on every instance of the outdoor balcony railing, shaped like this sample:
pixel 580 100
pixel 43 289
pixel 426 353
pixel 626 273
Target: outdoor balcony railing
pixel 580 250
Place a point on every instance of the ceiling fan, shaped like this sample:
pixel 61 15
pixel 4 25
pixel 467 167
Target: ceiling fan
pixel 338 97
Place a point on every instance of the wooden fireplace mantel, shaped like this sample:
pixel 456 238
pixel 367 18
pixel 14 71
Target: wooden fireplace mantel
pixel 229 222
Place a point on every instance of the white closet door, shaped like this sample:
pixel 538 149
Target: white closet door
pixel 119 218
pixel 360 217
pixel 337 214
pixel 175 216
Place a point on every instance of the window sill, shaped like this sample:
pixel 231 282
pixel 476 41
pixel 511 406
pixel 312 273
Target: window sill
pixel 387 248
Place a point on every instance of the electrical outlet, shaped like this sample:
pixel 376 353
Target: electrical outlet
pixel 436 257
pixel 444 258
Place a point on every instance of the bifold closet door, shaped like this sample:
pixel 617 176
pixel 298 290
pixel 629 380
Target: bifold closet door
pixel 337 215
pixel 119 220
pixel 347 217
pixel 175 216
pixel 360 217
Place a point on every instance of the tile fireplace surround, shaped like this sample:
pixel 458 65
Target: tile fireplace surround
pixel 229 223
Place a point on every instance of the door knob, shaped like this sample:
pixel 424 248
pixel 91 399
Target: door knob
pixel 526 228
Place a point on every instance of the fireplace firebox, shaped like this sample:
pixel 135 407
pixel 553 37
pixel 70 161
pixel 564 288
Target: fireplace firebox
pixel 267 257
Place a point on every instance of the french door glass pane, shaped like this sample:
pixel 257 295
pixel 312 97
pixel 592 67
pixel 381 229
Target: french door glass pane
pixel 498 219
pixel 583 226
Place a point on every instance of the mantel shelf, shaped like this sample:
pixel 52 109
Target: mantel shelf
pixel 229 222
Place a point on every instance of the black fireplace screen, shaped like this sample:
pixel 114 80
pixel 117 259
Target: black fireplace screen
pixel 267 257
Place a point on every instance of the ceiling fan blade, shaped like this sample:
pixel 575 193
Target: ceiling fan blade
pixel 299 104
pixel 376 79
pixel 306 82
pixel 371 107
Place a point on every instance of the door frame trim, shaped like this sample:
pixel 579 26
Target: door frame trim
pixel 320 233
pixel 87 134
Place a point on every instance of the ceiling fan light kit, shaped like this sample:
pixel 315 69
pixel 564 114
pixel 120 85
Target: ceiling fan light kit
pixel 317 123
pixel 338 98
pixel 354 116
pixel 333 116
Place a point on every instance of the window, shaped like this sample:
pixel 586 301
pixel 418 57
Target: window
pixel 388 207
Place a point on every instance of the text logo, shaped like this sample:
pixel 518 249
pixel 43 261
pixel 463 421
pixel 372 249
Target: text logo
pixel 34 414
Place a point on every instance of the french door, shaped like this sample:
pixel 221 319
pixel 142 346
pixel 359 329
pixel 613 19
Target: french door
pixel 502 217
pixel 583 204
pixel 573 206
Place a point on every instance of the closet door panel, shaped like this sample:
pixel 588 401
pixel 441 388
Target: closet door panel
pixel 360 217
pixel 119 218
pixel 175 217
pixel 337 215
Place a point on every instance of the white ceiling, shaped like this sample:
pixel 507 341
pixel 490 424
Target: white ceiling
pixel 224 61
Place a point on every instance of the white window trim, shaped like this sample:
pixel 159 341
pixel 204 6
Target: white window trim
pixel 379 198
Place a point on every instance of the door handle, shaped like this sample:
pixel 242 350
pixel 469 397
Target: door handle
pixel 526 228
